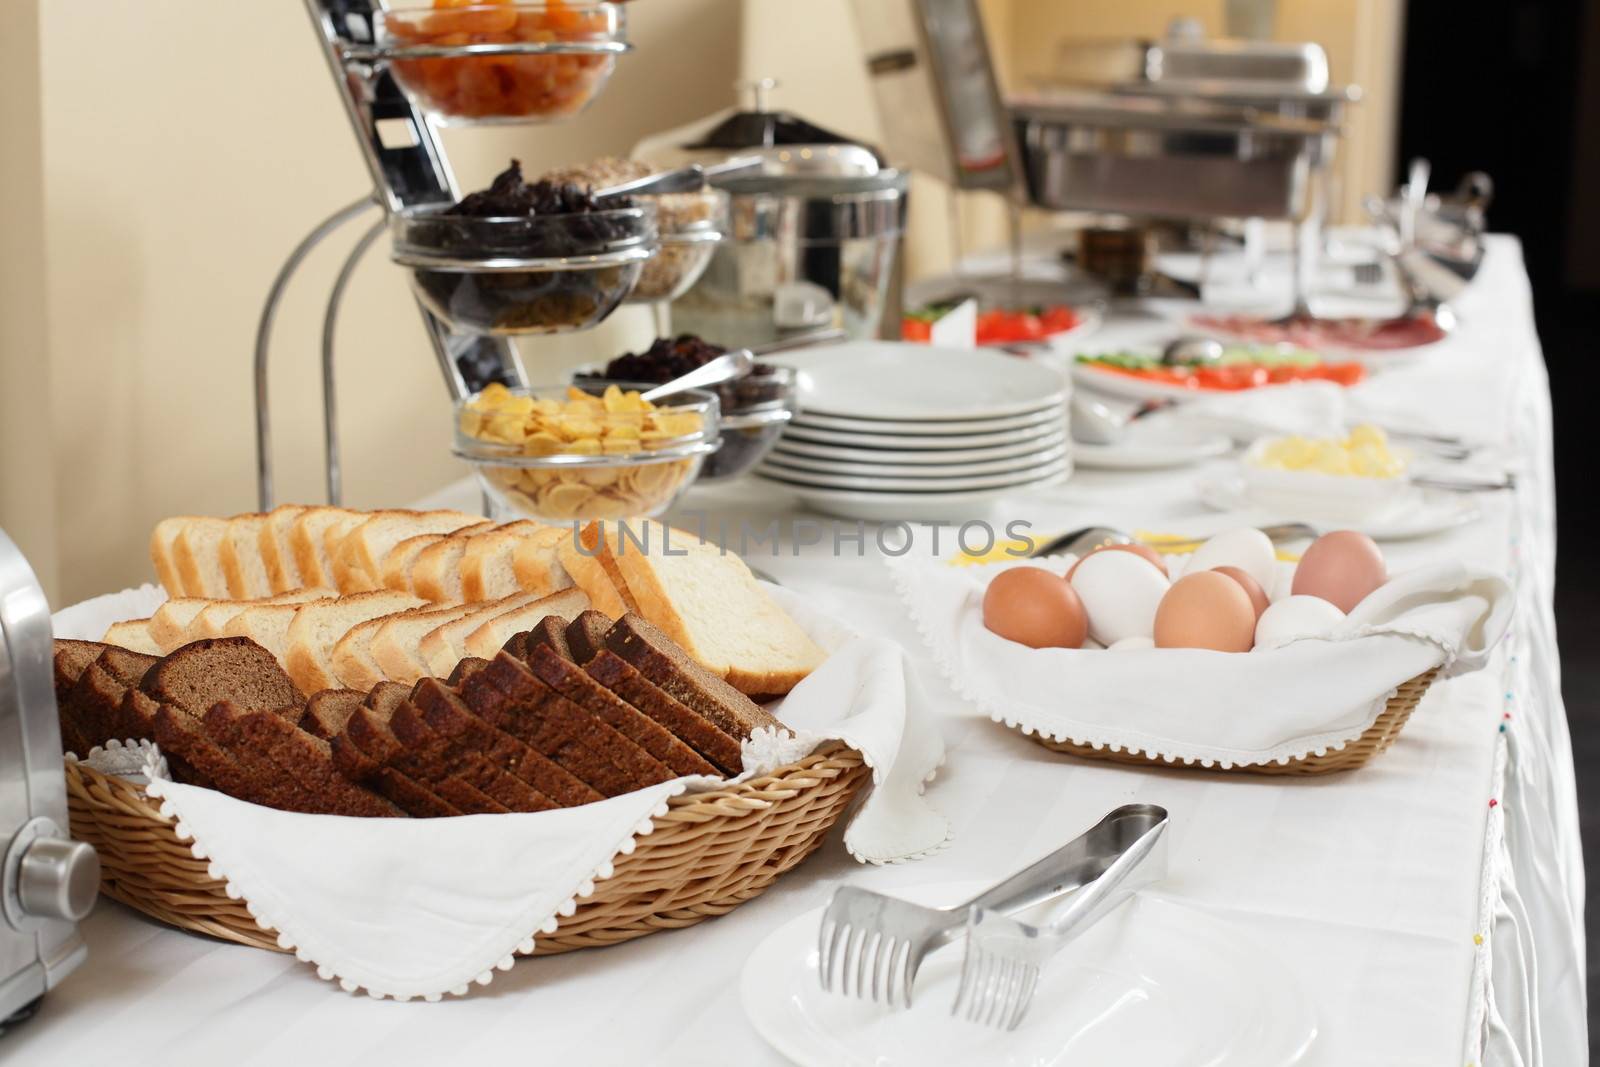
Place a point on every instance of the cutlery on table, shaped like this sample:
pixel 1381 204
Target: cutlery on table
pixel 1081 540
pixel 1005 955
pixel 870 945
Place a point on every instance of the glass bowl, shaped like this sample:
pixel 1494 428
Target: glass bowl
pixel 591 464
pixel 502 63
pixel 524 275
pixel 691 225
pixel 755 409
pixel 747 437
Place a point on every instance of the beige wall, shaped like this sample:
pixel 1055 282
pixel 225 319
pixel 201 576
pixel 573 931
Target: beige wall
pixel 175 177
pixel 27 507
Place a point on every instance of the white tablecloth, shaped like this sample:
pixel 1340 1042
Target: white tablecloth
pixel 1431 903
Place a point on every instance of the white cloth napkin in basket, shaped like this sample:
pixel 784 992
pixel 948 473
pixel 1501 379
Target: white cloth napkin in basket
pixel 423 907
pixel 1215 707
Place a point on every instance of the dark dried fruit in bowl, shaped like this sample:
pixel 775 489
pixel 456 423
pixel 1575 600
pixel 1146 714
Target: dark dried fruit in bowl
pixel 672 357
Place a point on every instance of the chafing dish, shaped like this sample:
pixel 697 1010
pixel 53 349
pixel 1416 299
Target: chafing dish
pixel 813 233
pixel 47 882
pixel 1168 158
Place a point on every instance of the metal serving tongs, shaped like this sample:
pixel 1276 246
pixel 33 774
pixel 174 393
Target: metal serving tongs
pixel 1004 955
pixel 871 945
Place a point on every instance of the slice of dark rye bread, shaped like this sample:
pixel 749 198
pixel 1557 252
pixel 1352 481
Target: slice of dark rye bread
pixel 659 659
pixel 136 717
pixel 243 773
pixel 236 669
pixel 359 766
pixel 453 719
pixel 572 682
pixel 550 631
pixel 303 758
pixel 694 729
pixel 506 694
pixel 94 704
pixel 373 734
pixel 68 661
pixel 464 670
pixel 544 700
pixel 453 758
pixel 327 711
pixel 277 789
pixel 586 635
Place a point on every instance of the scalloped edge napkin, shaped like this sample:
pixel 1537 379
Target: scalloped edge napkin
pixel 422 907
pixel 1229 709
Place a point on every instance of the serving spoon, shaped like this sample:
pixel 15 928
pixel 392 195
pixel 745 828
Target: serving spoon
pixel 736 363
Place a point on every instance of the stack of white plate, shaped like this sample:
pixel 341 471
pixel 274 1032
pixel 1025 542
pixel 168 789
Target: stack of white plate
pixel 901 431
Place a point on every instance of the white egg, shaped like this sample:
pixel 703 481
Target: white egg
pixel 1133 644
pixel 1283 581
pixel 1295 617
pixel 1120 592
pixel 1245 548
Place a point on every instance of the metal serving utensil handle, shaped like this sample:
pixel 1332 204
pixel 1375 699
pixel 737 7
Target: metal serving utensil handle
pixel 1141 861
pixel 726 367
pixel 799 340
pixel 685 179
pixel 1079 862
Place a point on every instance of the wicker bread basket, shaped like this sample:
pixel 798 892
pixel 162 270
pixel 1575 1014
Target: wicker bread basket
pixel 1377 737
pixel 709 853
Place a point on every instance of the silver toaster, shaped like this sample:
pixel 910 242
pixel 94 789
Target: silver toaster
pixel 47 882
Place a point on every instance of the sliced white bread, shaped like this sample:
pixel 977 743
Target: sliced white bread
pixel 319 625
pixel 213 619
pixel 396 571
pixel 133 635
pixel 277 555
pixel 536 560
pixel 352 659
pixel 491 634
pixel 444 646
pixel 169 623
pixel 333 541
pixel 582 562
pixel 358 565
pixel 398 563
pixel 268 626
pixel 197 551
pixel 436 573
pixel 486 569
pixel 308 543
pixel 242 566
pixel 397 644
pixel 707 601
pixel 163 549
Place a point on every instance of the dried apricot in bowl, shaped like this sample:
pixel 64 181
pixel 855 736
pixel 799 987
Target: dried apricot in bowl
pixel 510 87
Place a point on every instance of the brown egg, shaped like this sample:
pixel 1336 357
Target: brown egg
pixel 1139 550
pixel 1034 607
pixel 1341 567
pixel 1206 610
pixel 1252 588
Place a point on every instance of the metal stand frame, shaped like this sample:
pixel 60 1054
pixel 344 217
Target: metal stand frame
pixel 403 175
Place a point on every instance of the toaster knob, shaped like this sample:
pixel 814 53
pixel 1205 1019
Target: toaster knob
pixel 58 879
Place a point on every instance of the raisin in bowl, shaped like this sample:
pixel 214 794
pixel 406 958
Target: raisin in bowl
pixel 524 259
